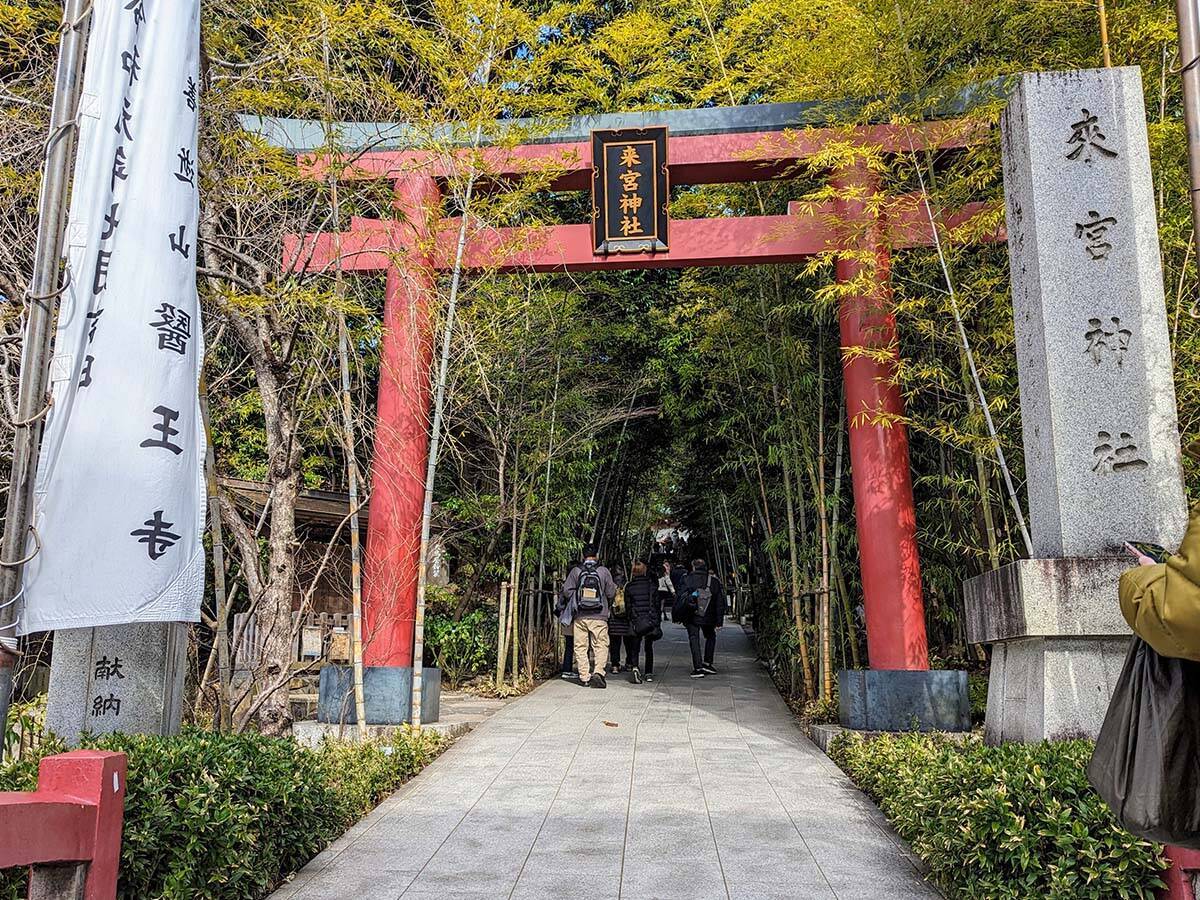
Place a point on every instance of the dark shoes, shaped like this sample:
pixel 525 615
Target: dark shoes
pixel 649 677
pixel 635 676
pixel 699 673
pixel 598 681
pixel 708 667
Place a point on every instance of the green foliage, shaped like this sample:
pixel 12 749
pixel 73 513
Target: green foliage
pixel 1014 821
pixel 462 648
pixel 820 712
pixel 977 690
pixel 25 720
pixel 227 816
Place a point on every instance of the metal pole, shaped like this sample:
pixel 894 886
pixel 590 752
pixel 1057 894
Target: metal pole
pixel 1189 56
pixel 43 291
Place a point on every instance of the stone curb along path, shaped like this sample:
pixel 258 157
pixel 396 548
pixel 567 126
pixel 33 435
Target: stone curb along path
pixel 678 788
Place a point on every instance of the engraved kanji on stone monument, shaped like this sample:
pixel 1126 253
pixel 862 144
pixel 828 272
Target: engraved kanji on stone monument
pixel 1097 392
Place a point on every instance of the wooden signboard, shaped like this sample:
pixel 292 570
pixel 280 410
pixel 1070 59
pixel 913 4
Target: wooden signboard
pixel 630 190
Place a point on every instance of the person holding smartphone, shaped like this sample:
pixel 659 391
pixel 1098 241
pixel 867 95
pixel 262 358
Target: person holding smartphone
pixel 1160 599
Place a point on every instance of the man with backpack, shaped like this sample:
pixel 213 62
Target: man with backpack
pixel 588 593
pixel 700 605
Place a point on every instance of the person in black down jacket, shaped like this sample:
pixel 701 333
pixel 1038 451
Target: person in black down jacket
pixel 707 620
pixel 645 610
pixel 618 630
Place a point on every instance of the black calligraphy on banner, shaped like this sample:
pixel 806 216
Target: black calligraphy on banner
pixel 174 328
pixel 119 167
pixel 94 320
pixel 131 65
pixel 164 429
pixel 110 222
pixel 123 120
pixel 630 190
pixel 179 242
pixel 139 12
pixel 100 276
pixel 187 168
pixel 156 535
pixel 85 376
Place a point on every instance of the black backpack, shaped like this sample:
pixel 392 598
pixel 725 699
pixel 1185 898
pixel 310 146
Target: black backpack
pixel 589 592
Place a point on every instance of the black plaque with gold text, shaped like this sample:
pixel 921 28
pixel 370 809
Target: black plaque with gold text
pixel 629 190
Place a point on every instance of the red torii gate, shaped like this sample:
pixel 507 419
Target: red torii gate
pixel 414 247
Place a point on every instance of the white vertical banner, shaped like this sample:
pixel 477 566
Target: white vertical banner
pixel 119 500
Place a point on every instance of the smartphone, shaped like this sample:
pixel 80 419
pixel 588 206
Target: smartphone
pixel 1154 551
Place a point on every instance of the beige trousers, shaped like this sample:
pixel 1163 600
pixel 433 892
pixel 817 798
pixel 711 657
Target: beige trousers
pixel 595 633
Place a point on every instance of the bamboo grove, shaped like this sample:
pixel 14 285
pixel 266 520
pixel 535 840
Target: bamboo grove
pixel 603 404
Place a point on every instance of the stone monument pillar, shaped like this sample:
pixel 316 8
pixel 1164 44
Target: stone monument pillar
pixel 117 678
pixel 1101 438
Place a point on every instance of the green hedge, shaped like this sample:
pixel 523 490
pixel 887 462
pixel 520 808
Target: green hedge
pixel 1015 821
pixel 228 816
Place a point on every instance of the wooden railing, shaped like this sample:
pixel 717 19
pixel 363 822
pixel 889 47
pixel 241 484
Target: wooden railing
pixel 68 831
pixel 1183 876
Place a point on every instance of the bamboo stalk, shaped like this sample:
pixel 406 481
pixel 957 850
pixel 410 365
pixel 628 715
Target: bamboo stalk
pixel 1104 34
pixel 224 675
pixel 826 657
pixel 348 439
pixel 502 634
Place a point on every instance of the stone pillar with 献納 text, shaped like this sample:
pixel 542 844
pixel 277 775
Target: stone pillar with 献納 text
pixel 127 678
pixel 1098 413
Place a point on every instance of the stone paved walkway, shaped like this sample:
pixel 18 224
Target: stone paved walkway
pixel 682 788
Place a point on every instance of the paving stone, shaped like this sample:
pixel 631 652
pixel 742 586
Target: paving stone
pixel 703 791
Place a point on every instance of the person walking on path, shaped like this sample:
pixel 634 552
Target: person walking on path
pixel 666 589
pixel 568 631
pixel 587 594
pixel 678 575
pixel 700 604
pixel 618 625
pixel 645 609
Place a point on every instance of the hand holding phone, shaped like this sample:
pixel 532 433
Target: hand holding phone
pixel 1143 558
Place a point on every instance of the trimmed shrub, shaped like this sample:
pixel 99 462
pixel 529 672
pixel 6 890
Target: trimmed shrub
pixel 1014 821
pixel 227 817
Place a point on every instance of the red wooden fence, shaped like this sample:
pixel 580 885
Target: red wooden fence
pixel 68 830
pixel 1184 873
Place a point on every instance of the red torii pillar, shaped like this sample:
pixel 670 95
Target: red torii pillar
pixel 401 432
pixel 884 510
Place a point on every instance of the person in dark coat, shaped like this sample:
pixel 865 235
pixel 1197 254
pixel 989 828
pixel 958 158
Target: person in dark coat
pixel 645 609
pixel 706 622
pixel 618 629
pixel 678 575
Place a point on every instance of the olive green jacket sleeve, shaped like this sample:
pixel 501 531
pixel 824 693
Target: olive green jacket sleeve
pixel 1161 603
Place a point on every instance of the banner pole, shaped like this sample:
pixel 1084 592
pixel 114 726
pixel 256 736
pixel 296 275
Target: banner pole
pixel 1189 58
pixel 42 294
